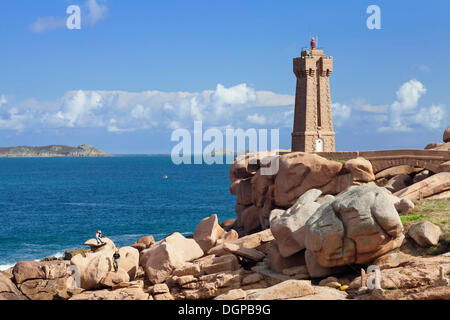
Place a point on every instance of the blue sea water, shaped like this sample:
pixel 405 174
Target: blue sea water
pixel 49 205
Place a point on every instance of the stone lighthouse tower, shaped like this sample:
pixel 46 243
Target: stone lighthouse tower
pixel 313 122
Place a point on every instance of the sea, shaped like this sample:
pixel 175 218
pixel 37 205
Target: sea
pixel 50 205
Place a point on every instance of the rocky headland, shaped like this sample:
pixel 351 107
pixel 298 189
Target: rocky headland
pixel 83 150
pixel 316 229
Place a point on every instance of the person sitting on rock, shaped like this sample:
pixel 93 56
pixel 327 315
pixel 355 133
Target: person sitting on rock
pixel 116 257
pixel 98 237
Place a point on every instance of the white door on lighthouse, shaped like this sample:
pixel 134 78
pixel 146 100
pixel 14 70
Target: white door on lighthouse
pixel 319 145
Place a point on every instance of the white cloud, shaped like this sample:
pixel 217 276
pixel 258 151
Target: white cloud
pixel 360 104
pixel 403 112
pixel 256 119
pixel 47 24
pixel 95 12
pixel 240 94
pixel 268 98
pixel 120 111
pixel 341 112
pixel 401 115
pixel 430 117
pixel 408 95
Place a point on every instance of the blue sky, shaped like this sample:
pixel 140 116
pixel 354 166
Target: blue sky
pixel 137 70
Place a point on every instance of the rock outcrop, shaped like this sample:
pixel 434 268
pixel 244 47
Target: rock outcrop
pixel 425 233
pixel 285 290
pixel 398 182
pixel 113 278
pixel 404 205
pixel 300 172
pixel 132 291
pixel 42 280
pixel 419 272
pixel 105 246
pixel 167 255
pixel 129 261
pixel 428 187
pixel 208 232
pixel 360 225
pixel 360 169
pixel 95 267
pixel 8 291
pixel 288 227
pixel 394 171
pixel 260 195
pixel 143 243
pixel 446 136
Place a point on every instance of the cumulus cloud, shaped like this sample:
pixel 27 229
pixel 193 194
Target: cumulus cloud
pixel 268 99
pixel 403 113
pixel 239 105
pixel 256 119
pixel 430 117
pixel 341 112
pixel 120 111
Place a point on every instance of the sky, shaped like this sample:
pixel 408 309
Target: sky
pixel 138 70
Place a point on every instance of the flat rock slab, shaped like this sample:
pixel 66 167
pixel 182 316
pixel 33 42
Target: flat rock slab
pixel 428 187
pixel 284 290
pixel 324 293
pixel 247 253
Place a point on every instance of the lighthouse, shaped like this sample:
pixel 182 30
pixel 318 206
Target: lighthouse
pixel 313 121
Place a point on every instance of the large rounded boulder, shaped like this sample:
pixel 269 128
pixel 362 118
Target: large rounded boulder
pixel 288 227
pixel 95 267
pixel 300 172
pixel 360 225
pixel 167 255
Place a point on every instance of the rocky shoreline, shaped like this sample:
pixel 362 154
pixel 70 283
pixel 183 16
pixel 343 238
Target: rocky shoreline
pixel 217 264
pixel 289 260
pixel 317 229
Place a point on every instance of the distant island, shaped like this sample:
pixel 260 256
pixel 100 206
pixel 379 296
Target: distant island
pixel 83 150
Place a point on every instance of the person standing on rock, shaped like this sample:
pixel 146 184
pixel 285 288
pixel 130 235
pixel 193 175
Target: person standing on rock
pixel 98 237
pixel 116 257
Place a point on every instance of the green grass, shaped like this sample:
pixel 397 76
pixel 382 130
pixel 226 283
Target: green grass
pixel 435 211
pixel 408 219
pixel 430 206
